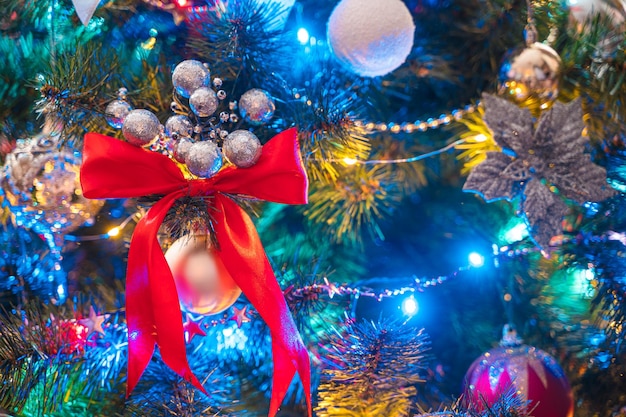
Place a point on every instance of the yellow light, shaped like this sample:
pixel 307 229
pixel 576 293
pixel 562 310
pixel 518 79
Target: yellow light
pixel 113 232
pixel 149 44
pixel 349 161
pixel 480 137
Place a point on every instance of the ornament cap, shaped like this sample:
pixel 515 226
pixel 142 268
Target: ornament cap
pixel 510 337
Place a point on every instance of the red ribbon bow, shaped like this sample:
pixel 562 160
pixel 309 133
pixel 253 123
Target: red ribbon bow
pixel 115 169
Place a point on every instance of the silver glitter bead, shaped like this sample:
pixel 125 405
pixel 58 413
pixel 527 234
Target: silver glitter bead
pixel 190 75
pixel 217 82
pixel 256 106
pixel 203 102
pixel 141 127
pixel 181 149
pixel 224 116
pixel 116 111
pixel 204 159
pixel 178 126
pixel 242 148
pixel 234 118
pixel 221 94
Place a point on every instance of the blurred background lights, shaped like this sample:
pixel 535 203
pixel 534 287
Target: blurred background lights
pixel 481 137
pixel 581 282
pixel 303 36
pixel 516 233
pixel 476 260
pixel 410 306
pixel 113 232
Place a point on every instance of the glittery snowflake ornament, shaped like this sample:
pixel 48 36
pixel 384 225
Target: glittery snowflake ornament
pixel 541 163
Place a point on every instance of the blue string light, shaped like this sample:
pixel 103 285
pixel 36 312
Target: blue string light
pixel 410 307
pixel 476 260
pixel 303 36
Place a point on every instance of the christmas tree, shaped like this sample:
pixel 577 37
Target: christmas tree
pixel 324 208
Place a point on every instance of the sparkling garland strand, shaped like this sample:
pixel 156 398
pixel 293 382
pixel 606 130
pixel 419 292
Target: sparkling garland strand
pixel 195 325
pixel 419 125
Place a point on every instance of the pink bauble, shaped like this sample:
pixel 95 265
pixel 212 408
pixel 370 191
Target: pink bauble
pixel 203 284
pixel 530 372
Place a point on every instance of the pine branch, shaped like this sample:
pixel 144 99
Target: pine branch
pixel 293 249
pixel 374 372
pixel 327 130
pixel 507 405
pixel 361 197
pixel 478 140
pixel 240 39
pixel 22 56
pixel 74 89
pixel 593 67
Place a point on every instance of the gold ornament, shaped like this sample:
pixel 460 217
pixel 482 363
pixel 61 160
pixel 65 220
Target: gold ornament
pixel 42 184
pixel 203 284
pixel 530 76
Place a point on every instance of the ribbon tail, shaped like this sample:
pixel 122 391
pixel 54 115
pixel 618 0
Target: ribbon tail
pixel 159 319
pixel 284 371
pixel 141 333
pixel 243 256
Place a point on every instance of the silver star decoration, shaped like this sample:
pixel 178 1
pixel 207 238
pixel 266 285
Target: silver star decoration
pixel 94 322
pixel 541 164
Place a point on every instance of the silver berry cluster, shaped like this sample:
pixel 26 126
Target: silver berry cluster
pixel 196 135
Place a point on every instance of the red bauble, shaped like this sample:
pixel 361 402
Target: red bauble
pixel 529 372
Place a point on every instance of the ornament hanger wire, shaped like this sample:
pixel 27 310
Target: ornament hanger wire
pixel 530 31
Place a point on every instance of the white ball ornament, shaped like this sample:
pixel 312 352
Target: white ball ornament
pixel 371 37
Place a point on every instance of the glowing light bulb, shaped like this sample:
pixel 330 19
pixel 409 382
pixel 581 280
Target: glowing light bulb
pixel 410 306
pixel 303 36
pixel 113 232
pixel 349 161
pixel 476 260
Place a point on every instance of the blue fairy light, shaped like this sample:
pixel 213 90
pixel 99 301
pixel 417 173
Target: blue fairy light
pixel 410 307
pixel 303 36
pixel 476 260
